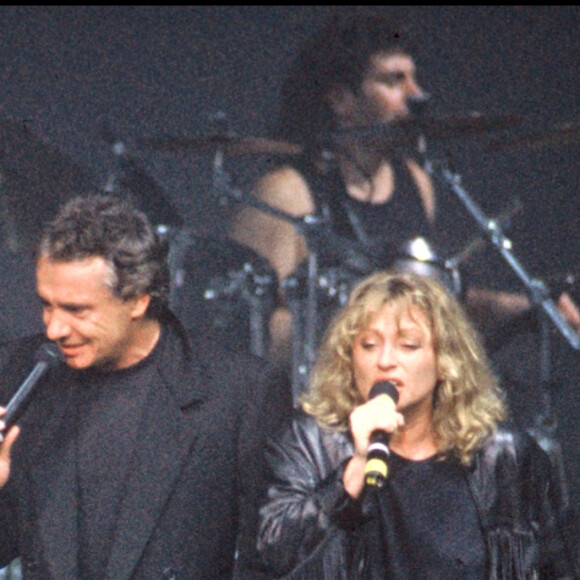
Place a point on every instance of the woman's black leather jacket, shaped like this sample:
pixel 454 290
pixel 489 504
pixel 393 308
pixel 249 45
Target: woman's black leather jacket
pixel 307 522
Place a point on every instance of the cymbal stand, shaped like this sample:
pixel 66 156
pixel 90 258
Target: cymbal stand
pixel 311 227
pixel 538 291
pixel 540 296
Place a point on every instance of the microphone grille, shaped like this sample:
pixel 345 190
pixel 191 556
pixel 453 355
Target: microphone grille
pixel 49 353
pixel 384 388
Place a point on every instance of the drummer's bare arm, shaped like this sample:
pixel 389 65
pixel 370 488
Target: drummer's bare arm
pixel 424 187
pixel 273 238
pixel 570 310
pixel 276 240
pixel 492 305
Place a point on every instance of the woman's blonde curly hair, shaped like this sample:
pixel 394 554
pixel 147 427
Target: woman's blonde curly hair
pixel 468 402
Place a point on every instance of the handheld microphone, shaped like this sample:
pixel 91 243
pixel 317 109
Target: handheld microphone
pixel 47 356
pixel 376 468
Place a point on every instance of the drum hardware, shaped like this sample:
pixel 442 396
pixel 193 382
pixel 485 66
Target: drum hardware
pixel 225 143
pixel 478 243
pixel 324 246
pixel 542 300
pixel 130 178
pixel 119 150
pixel 228 286
pixel 179 241
pixel 309 291
pixel 336 284
pixel 322 243
pixel 241 283
pixel 539 293
pixel 323 283
pixel 419 257
pixel 226 289
pixel 254 287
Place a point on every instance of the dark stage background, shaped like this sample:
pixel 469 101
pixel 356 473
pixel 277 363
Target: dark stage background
pixel 75 79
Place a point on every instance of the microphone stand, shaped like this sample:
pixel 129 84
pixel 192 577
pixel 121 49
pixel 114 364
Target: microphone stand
pixel 540 297
pixel 537 290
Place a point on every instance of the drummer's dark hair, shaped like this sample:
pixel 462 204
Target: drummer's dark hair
pixel 337 55
pixel 110 227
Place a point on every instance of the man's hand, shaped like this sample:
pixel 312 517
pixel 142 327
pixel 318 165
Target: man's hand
pixel 6 448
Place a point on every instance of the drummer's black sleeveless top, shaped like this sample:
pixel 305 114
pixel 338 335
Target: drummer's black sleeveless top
pixel 395 222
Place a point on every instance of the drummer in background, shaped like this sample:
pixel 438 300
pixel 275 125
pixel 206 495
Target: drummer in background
pixel 353 72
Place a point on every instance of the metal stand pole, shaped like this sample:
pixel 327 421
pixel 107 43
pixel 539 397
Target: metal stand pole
pixel 319 237
pixel 539 293
pixel 540 296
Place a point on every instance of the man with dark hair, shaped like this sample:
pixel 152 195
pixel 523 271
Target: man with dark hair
pixel 134 459
pixel 366 184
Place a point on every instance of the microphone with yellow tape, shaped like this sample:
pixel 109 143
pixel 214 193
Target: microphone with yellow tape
pixel 376 468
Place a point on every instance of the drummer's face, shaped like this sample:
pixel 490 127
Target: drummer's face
pixel 398 346
pixel 384 92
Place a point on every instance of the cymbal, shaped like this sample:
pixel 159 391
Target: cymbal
pixel 458 126
pixel 36 178
pixel 229 144
pixel 406 131
pixel 560 134
pixel 132 179
pixel 143 190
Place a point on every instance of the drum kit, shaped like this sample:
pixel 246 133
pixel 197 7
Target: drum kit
pixel 232 291
pixel 238 288
pixel 227 288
